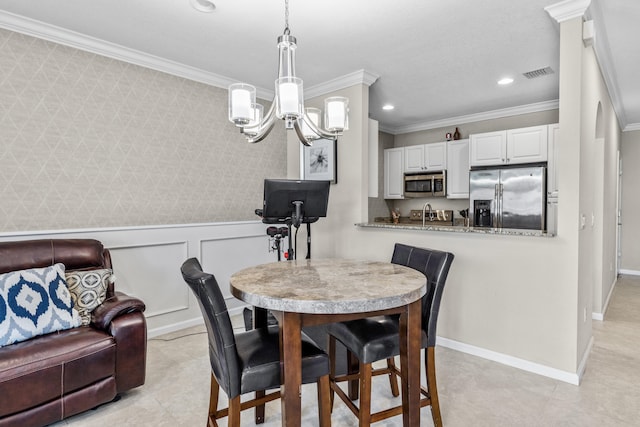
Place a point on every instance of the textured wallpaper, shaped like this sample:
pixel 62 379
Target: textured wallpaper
pixel 87 141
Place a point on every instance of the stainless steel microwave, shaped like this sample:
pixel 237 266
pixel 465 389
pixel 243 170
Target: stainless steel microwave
pixel 425 185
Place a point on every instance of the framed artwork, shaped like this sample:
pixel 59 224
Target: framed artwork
pixel 320 161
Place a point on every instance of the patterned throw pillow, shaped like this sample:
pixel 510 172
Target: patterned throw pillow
pixel 35 302
pixel 88 290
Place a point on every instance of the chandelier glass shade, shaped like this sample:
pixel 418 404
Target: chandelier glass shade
pixel 288 103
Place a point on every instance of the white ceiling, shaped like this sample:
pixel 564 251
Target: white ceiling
pixel 438 61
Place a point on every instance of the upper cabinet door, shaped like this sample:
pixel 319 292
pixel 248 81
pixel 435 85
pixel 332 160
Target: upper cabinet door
pixel 487 149
pixel 458 169
pixel 414 158
pixel 393 173
pixel 435 156
pixel 527 145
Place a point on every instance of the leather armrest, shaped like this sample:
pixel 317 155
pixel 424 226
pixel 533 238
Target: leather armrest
pixel 112 307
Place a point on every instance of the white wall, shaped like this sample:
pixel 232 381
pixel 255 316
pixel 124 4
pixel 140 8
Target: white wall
pixel 599 180
pixel 348 199
pixel 630 235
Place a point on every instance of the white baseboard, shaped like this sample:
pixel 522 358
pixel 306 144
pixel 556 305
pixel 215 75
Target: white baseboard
pixel 525 365
pixel 583 363
pixel 600 316
pixel 152 333
pixel 629 272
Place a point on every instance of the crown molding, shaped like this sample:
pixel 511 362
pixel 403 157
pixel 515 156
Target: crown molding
pixel 52 33
pixel 357 77
pixel 567 9
pixel 603 57
pixel 471 118
pixel 631 127
pixel 76 40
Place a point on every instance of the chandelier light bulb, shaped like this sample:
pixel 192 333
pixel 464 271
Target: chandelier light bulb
pixel 289 96
pixel 241 98
pixel 313 115
pixel 335 113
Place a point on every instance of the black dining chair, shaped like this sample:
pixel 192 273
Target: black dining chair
pixel 377 338
pixel 248 361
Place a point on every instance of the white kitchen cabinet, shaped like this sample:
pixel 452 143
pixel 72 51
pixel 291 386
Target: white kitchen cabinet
pixel 425 157
pixel 458 169
pixel 514 146
pixel 414 158
pixel 527 145
pixel 435 156
pixel 394 173
pixel 488 148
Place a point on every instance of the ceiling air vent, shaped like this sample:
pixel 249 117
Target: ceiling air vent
pixel 538 73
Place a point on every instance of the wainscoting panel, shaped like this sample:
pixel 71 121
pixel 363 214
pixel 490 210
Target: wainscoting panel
pixel 223 257
pixel 150 273
pixel 147 260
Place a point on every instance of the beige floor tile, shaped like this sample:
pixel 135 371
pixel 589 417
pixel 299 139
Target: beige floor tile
pixel 473 391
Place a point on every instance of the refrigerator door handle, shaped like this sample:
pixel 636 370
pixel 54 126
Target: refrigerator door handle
pixel 501 204
pixel 496 207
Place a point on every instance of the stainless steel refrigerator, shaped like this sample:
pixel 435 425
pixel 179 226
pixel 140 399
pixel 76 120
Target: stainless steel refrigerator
pixel 508 198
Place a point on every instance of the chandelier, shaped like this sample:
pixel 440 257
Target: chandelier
pixel 287 104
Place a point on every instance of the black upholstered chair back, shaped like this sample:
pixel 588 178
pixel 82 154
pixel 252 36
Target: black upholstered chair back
pixel 435 265
pixel 223 354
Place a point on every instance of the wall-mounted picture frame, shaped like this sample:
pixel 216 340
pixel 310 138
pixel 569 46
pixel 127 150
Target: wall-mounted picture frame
pixel 320 161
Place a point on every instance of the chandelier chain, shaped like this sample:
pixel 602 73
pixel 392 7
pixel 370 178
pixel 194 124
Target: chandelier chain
pixel 286 16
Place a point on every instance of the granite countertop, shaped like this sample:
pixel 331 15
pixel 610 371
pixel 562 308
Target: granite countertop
pixel 455 228
pixel 328 286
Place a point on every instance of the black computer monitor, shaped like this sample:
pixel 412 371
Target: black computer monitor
pixel 283 196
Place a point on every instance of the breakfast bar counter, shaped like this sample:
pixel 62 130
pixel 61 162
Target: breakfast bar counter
pixel 417 226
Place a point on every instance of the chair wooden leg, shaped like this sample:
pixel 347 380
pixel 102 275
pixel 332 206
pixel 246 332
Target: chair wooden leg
pixel 364 412
pixel 324 401
pixel 393 378
pixel 234 412
pixel 430 366
pixel 259 410
pixel 352 368
pixel 213 401
pixel 332 366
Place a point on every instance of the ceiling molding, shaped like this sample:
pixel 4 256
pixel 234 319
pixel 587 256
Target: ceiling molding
pixel 86 43
pixel 567 9
pixel 357 77
pixel 76 40
pixel 603 57
pixel 631 127
pixel 471 118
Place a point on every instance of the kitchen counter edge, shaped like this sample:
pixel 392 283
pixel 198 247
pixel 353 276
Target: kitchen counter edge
pixel 456 229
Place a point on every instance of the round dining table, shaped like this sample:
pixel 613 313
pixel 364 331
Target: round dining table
pixel 310 292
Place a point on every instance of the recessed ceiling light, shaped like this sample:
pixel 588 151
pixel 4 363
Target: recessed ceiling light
pixel 206 6
pixel 388 107
pixel 505 81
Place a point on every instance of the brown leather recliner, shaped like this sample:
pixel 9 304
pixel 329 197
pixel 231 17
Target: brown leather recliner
pixel 51 377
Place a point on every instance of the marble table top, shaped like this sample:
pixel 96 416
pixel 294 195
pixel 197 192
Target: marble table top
pixel 328 286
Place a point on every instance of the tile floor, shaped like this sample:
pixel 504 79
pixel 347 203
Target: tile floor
pixel 473 391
